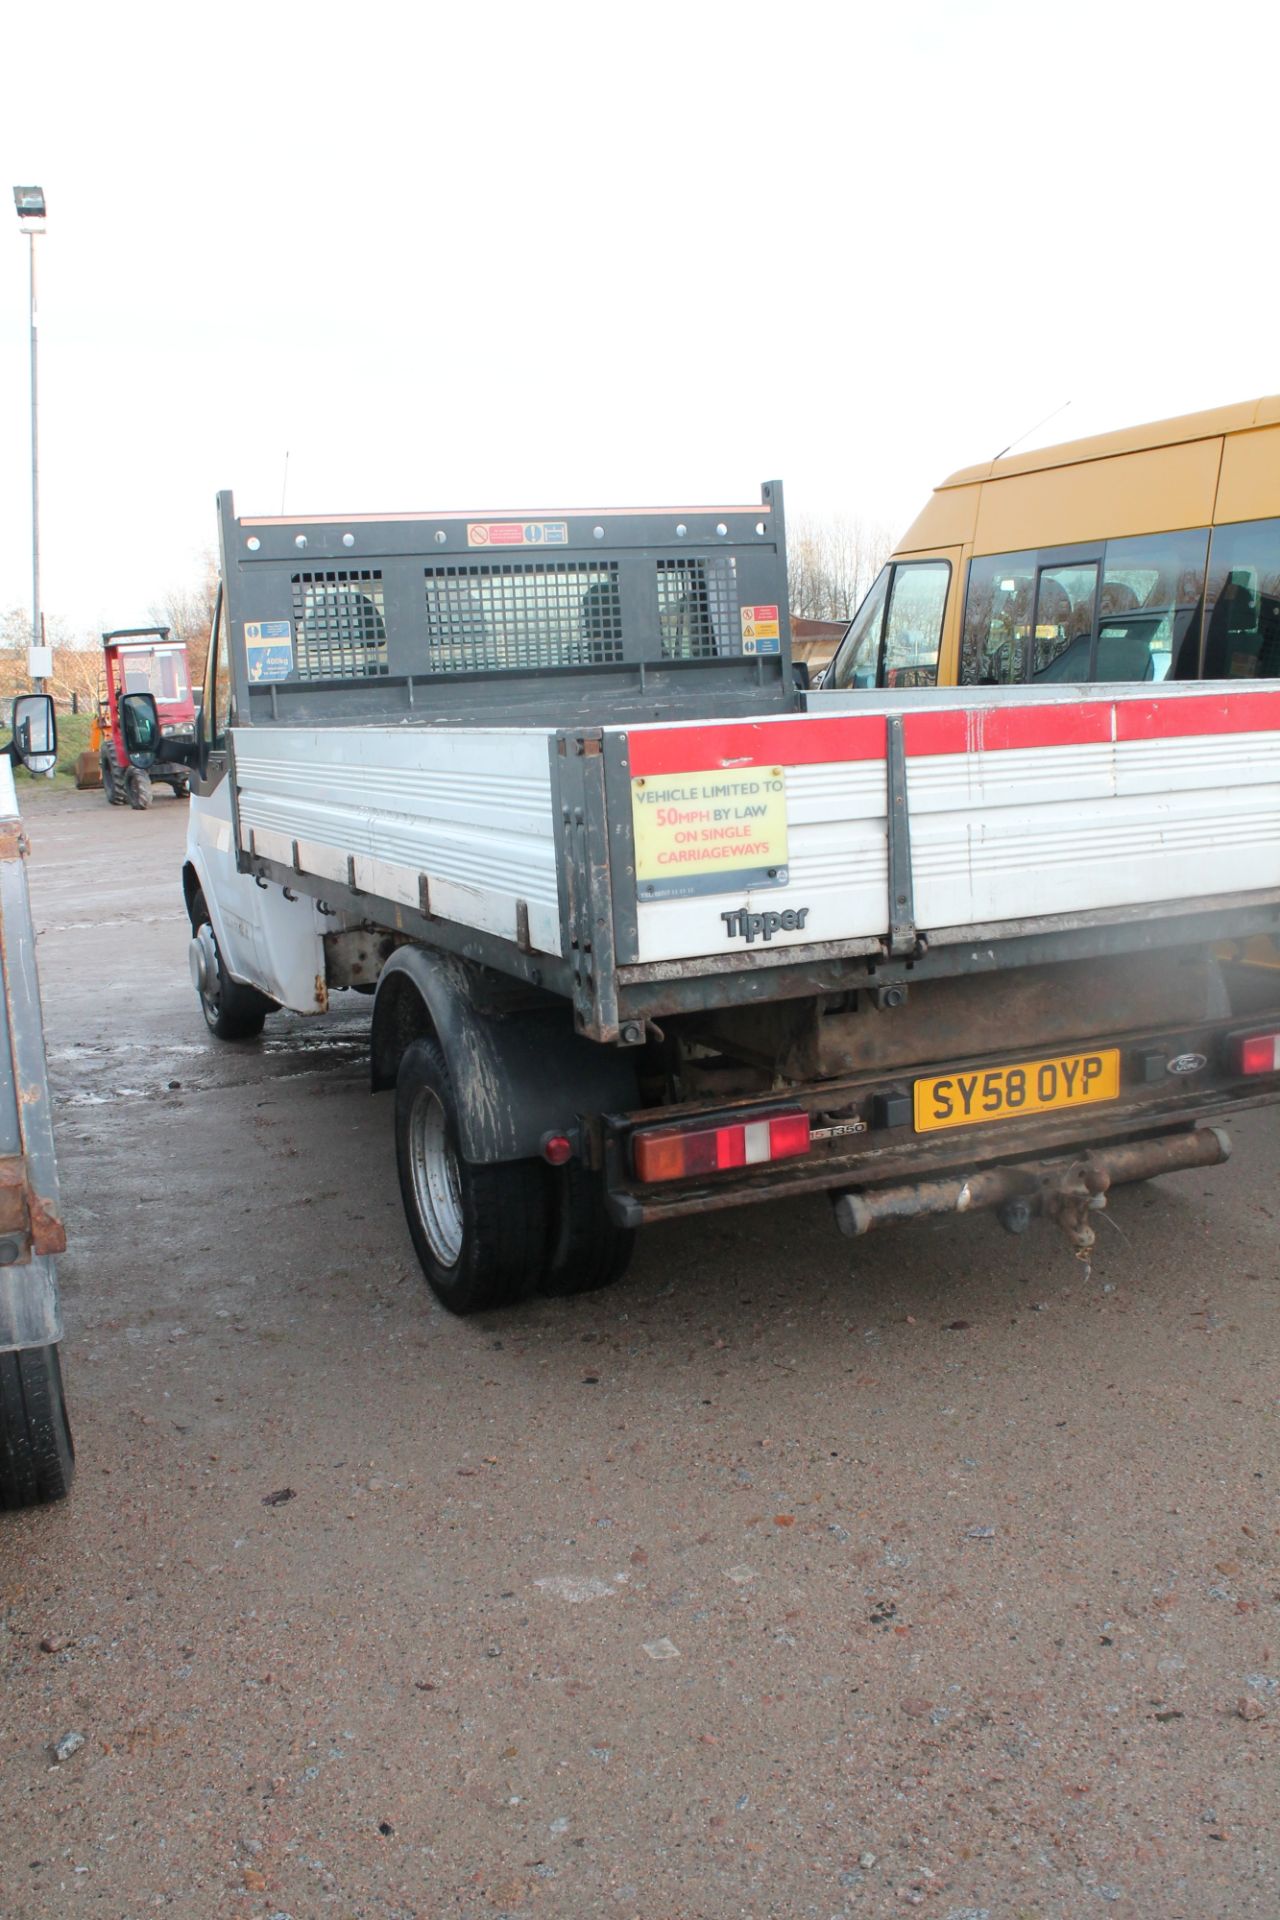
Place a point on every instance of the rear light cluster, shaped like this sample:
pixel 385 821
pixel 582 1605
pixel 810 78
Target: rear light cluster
pixel 1258 1053
pixel 674 1153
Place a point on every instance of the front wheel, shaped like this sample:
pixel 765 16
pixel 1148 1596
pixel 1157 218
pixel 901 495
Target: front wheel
pixel 480 1232
pixel 231 1010
pixel 37 1454
pixel 138 788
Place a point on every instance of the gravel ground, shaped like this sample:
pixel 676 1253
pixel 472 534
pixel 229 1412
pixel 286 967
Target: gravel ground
pixel 787 1578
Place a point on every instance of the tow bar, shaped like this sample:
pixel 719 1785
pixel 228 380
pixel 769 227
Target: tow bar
pixel 1066 1190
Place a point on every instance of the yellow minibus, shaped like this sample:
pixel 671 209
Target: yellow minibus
pixel 1149 554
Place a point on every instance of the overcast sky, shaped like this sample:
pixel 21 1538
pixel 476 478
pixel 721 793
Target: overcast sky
pixel 558 255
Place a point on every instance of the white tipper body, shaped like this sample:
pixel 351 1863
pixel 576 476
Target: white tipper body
pixel 1023 806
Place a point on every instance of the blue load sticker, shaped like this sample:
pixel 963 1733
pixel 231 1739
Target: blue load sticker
pixel 269 647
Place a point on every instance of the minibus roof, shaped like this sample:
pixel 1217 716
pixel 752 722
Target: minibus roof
pixel 1158 433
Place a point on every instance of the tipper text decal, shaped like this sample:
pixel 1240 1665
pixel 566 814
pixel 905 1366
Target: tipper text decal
pixel 741 925
pixel 712 832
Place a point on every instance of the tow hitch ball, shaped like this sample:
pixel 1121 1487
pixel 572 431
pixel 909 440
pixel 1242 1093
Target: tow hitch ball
pixel 1065 1191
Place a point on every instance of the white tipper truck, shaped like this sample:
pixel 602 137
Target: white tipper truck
pixel 649 929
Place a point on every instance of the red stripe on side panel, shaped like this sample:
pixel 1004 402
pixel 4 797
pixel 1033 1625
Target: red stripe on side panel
pixel 746 743
pixel 819 739
pixel 995 729
pixel 1198 713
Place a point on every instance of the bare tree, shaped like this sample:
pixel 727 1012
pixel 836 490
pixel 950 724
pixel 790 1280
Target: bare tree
pixel 831 562
pixel 188 610
pixel 77 661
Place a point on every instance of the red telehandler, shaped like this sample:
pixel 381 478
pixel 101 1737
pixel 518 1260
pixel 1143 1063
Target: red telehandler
pixel 140 660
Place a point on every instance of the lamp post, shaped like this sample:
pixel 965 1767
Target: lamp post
pixel 31 218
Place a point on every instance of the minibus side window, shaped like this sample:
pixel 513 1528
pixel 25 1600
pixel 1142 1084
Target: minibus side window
pixel 913 630
pixel 857 662
pixel 997 620
pixel 1242 605
pixel 1063 640
pixel 1149 618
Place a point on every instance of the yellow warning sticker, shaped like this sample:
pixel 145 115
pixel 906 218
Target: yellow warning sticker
pixel 760 623
pixel 710 832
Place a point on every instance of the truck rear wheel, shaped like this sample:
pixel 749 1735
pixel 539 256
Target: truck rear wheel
pixel 37 1455
pixel 480 1232
pixel 589 1250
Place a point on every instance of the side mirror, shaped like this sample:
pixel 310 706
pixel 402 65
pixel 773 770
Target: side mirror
pixel 202 744
pixel 140 725
pixel 35 732
pixel 800 674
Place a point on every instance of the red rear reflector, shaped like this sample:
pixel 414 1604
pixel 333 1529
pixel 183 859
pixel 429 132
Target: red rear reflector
pixel 674 1153
pixel 1258 1053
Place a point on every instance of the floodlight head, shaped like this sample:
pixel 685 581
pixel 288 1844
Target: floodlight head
pixel 30 202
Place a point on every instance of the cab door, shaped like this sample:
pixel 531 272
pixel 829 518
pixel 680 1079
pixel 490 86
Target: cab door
pixel 211 834
pixel 895 638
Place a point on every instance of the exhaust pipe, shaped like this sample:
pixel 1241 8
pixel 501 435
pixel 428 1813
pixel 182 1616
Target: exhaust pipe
pixel 1067 1190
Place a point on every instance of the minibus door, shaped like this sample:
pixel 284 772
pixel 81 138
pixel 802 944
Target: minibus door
pixel 1065 620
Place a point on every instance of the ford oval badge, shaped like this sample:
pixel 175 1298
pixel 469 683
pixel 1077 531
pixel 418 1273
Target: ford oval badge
pixel 1187 1063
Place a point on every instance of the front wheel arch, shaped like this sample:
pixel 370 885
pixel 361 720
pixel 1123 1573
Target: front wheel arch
pixel 192 891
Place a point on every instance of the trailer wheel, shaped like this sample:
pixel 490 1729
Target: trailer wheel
pixel 37 1454
pixel 480 1232
pixel 112 778
pixel 589 1249
pixel 231 1011
pixel 138 787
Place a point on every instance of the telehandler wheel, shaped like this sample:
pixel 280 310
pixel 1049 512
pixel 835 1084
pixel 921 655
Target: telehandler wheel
pixel 112 779
pixel 480 1232
pixel 231 1011
pixel 37 1454
pixel 589 1249
pixel 138 787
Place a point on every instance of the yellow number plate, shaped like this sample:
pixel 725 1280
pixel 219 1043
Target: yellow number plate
pixel 980 1094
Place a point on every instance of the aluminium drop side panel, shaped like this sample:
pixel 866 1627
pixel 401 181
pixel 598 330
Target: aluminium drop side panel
pixel 1100 805
pixel 1025 807
pixel 834 773
pixel 382 809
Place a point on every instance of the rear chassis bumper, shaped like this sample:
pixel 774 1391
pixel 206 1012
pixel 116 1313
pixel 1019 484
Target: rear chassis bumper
pixel 882 1165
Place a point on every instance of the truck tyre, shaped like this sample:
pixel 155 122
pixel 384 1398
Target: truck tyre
pixel 231 1011
pixel 37 1455
pixel 138 788
pixel 112 778
pixel 589 1249
pixel 480 1232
